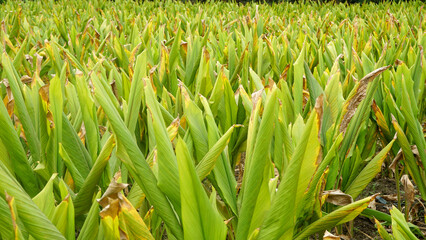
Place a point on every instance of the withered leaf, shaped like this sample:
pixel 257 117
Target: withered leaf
pixel 337 197
pixel 330 236
pixel 359 95
pixel 112 192
pixel 44 93
pixel 255 97
pixel 408 189
pixel 26 79
pixel 390 198
pixel 111 209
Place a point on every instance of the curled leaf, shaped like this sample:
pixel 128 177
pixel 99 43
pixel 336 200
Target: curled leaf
pixel 112 191
pixel 395 161
pixel 330 236
pixel 358 96
pixel 117 206
pixel 337 197
pixel 44 93
pixel 408 189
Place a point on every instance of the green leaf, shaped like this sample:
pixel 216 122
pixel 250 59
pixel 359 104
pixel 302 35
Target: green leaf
pixel 400 228
pixel 45 199
pixel 382 231
pixel 339 216
pixel 56 107
pixel 303 164
pixel 75 148
pixel 91 224
pixel 76 176
pixel 315 89
pixel 409 158
pixel 298 82
pixel 368 172
pixel 206 165
pixel 199 219
pixel 168 176
pixel 63 218
pixel 134 160
pixel 255 165
pixel 136 91
pixel 6 224
pixel 83 199
pixel 20 165
pixel 36 223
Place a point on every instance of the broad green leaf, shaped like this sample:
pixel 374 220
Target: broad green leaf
pixel 298 82
pixel 305 160
pixel 339 216
pixel 167 164
pixel 208 162
pixel 217 161
pixel 82 201
pixel 63 218
pixel 199 219
pixel 14 148
pixel 255 170
pixel 368 173
pixel 56 107
pixel 88 109
pixel 382 231
pixel 76 175
pixel 136 90
pixel 45 199
pixel 315 89
pixel 413 167
pixel 34 220
pixel 75 148
pixel 400 228
pixel 17 234
pixel 134 160
pixel 90 227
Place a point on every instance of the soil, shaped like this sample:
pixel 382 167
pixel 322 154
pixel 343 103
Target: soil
pixel 364 228
pixel 384 186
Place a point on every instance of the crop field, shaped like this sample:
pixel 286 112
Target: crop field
pixel 216 120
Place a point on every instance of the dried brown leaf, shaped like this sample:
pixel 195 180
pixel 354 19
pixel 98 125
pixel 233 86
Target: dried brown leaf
pixel 391 198
pixel 111 208
pixel 399 156
pixel 184 46
pixel 395 161
pixel 26 79
pixel 372 204
pixel 255 97
pixel 173 129
pixel 337 197
pixel 319 109
pixel 44 93
pixel 330 236
pixel 359 95
pixel 284 73
pixel 112 192
pixel 408 189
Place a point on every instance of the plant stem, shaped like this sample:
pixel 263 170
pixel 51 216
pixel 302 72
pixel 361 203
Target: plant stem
pixel 398 193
